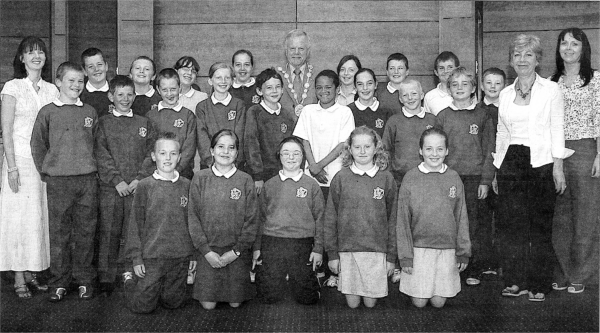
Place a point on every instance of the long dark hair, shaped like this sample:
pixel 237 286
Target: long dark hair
pixel 27 44
pixel 585 62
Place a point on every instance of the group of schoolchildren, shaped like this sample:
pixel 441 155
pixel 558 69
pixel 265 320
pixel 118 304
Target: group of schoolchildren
pixel 207 189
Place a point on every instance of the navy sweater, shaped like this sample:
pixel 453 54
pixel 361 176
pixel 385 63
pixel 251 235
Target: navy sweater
pixel 97 99
pixel 158 224
pixel 375 120
pixel 246 94
pixel 387 100
pixel 142 103
pixel 123 147
pixel 361 214
pixel 63 138
pixel 263 133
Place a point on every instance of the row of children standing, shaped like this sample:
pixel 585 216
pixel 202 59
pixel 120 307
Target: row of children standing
pixel 234 193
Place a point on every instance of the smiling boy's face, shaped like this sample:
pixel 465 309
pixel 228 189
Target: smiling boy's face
pixel 492 85
pixel 95 69
pixel 461 88
pixel 166 155
pixel 122 98
pixel 70 86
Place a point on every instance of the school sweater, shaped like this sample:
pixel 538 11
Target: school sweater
pixel 263 133
pixel 361 214
pixel 62 141
pixel 471 141
pixel 215 117
pixel 142 103
pixel 158 224
pixel 292 208
pixel 223 211
pixel 387 100
pixel 432 213
pixel 491 110
pixel 97 99
pixel 246 94
pixel 401 139
pixel 183 124
pixel 123 147
pixel 374 119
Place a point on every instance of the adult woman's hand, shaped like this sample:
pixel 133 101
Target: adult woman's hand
pixel 560 184
pixel 13 181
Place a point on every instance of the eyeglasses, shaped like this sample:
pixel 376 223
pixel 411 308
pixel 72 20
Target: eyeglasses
pixel 288 154
pixel 189 70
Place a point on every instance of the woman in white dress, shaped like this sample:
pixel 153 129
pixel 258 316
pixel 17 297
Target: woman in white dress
pixel 23 207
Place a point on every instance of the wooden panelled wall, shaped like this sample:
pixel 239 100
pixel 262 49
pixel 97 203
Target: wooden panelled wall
pixel 503 21
pixel 212 30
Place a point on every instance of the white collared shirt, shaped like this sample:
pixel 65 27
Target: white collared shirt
pixel 119 114
pixel 486 101
pixel 363 107
pixel 58 102
pixel 371 172
pixel 470 107
pixel 189 94
pixel 421 113
pixel 90 88
pixel 176 108
pixel 157 176
pixel 227 175
pixel 248 84
pixel 148 93
pixel 293 75
pixel 391 88
pixel 436 100
pixel 424 169
pixel 225 102
pixel 295 178
pixel 269 110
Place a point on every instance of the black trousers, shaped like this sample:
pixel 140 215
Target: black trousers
pixel 524 226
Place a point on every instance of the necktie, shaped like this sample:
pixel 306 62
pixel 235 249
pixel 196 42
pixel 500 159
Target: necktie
pixel 297 85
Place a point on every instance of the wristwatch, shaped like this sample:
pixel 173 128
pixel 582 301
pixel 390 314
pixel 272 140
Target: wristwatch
pixel 236 252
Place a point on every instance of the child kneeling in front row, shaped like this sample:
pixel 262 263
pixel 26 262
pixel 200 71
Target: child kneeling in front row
pixel 158 239
pixel 290 240
pixel 360 220
pixel 432 229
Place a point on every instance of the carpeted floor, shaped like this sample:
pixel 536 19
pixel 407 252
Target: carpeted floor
pixel 478 308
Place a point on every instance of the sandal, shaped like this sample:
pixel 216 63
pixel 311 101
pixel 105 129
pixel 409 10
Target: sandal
pixel 539 297
pixel 33 281
pixel 513 291
pixel 576 288
pixel 559 287
pixel 22 291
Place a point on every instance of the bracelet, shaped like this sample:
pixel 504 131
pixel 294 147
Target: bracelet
pixel 12 169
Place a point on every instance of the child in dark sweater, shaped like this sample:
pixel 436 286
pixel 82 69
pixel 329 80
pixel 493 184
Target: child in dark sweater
pixel 432 229
pixel 472 139
pixel 95 92
pixel 387 93
pixel 266 125
pixel 142 72
pixel 158 239
pixel 244 85
pixel 62 146
pixel 223 225
pixel 290 240
pixel 367 110
pixel 220 111
pixel 122 152
pixel 360 220
pixel 172 116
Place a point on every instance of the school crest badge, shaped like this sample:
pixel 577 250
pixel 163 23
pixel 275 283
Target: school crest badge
pixel 255 99
pixel 473 129
pixel 235 194
pixel 178 123
pixel 231 115
pixel 379 123
pixel 452 193
pixel 154 107
pixel 143 132
pixel 378 193
pixel 184 201
pixel 283 128
pixel 87 122
pixel 428 127
pixel 301 192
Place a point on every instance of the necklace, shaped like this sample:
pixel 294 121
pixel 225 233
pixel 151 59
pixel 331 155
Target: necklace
pixel 524 94
pixel 291 86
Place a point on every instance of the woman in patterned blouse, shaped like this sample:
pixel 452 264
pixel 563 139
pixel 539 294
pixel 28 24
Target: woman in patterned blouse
pixel 576 220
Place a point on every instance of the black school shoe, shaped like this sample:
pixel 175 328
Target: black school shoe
pixel 57 294
pixel 86 292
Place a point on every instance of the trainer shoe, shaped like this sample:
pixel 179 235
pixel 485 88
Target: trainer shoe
pixel 86 292
pixel 57 294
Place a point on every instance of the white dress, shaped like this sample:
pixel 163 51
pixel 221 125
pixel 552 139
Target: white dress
pixel 24 239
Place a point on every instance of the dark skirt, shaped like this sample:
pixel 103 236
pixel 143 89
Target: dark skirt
pixel 228 284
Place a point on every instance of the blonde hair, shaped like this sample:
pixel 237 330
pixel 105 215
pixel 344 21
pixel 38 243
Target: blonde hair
pixel 526 42
pixel 381 158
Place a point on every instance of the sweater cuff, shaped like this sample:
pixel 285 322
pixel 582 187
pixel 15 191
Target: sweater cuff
pixel 318 249
pixel 333 255
pixel 462 259
pixel 407 262
pixel 137 261
pixel 204 249
pixel 116 180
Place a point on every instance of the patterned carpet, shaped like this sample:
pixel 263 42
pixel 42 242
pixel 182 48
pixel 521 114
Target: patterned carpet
pixel 478 308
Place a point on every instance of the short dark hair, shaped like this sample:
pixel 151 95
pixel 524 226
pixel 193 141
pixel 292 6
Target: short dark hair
pixel 445 56
pixel 330 74
pixel 187 61
pixel 398 57
pixel 166 136
pixel 494 71
pixel 243 52
pixel 167 73
pixel 120 81
pixel 28 44
pixel 68 66
pixel 347 58
pixel 90 52
pixel 266 75
pixel 432 131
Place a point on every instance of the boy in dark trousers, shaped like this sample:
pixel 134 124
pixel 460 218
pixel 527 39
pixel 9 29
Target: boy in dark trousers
pixel 158 241
pixel 62 145
pixel 123 148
